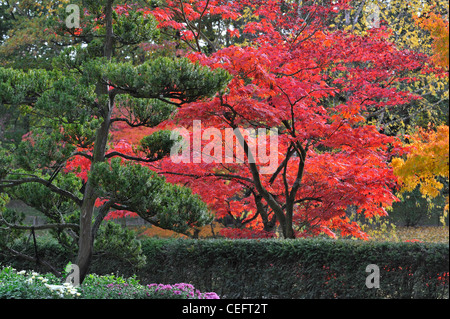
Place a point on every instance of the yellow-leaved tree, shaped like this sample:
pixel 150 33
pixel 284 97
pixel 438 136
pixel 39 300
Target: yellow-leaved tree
pixel 428 158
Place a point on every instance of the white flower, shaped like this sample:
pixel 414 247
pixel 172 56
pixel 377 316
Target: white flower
pixel 35 273
pixel 44 280
pixel 55 287
pixel 22 272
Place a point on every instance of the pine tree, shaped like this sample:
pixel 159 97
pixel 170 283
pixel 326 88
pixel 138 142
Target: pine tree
pixel 74 108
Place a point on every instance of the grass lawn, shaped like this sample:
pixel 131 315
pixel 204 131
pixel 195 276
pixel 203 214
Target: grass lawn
pixel 432 234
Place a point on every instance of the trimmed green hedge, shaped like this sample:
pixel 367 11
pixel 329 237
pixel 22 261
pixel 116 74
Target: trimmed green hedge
pixel 303 268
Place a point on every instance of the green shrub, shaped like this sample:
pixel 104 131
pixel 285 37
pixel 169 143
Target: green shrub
pixel 302 268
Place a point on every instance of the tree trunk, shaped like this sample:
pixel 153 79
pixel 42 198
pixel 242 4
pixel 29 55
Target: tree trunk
pixel 285 220
pixel 288 227
pixel 269 224
pixel 85 245
pixel 289 232
pixel 86 240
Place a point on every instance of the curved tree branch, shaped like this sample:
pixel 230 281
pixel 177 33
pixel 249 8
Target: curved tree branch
pixel 12 183
pixel 133 158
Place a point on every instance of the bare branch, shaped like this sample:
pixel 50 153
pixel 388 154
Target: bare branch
pixel 133 158
pixel 33 259
pixel 227 176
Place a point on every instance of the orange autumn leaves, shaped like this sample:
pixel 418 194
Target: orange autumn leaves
pixel 439 31
pixel 428 159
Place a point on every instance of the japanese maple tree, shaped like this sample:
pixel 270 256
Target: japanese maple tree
pixel 318 87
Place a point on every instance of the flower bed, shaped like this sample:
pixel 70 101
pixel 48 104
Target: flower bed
pixel 31 285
